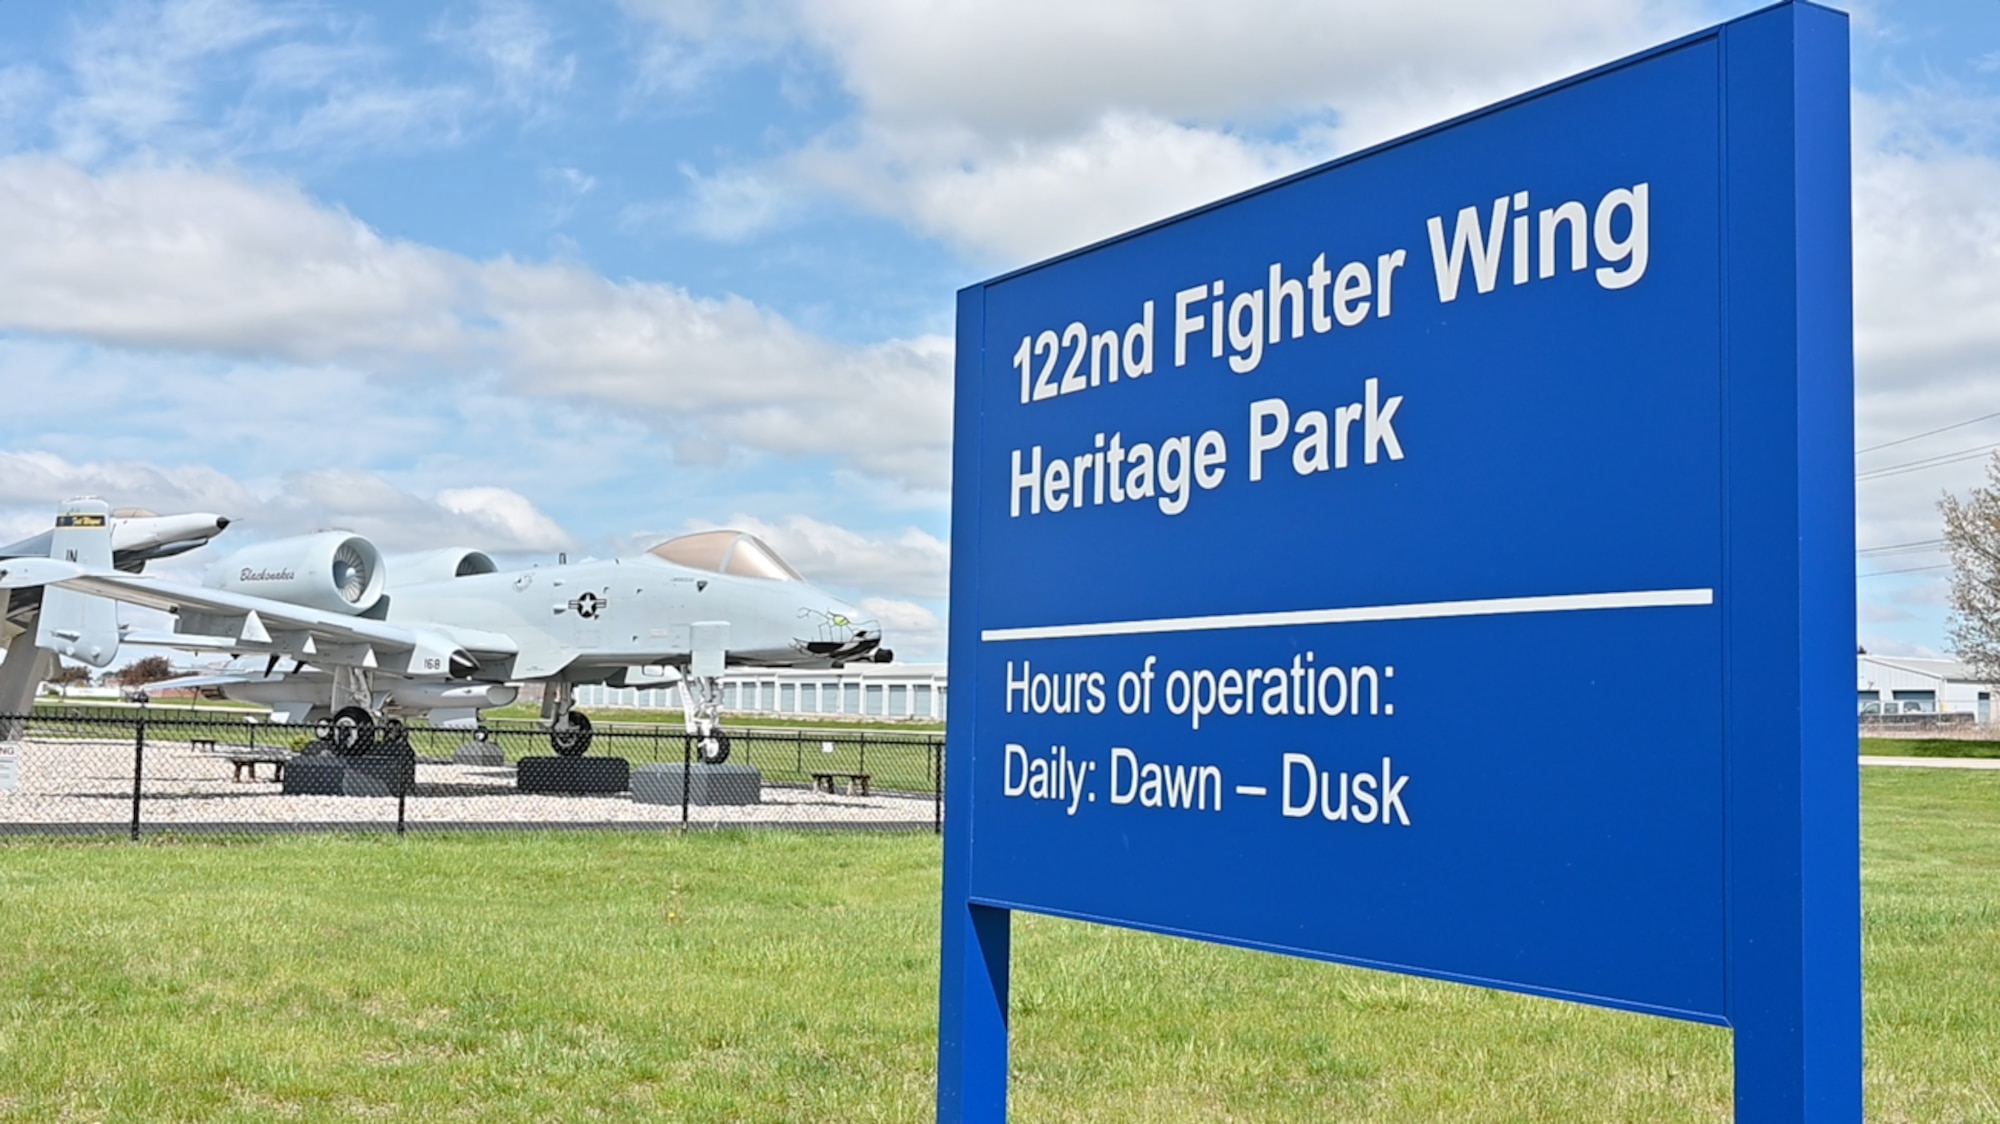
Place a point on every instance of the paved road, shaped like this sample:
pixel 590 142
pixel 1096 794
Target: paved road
pixel 1934 762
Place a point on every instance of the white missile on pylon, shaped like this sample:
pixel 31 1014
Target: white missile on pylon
pixel 140 533
pixel 138 536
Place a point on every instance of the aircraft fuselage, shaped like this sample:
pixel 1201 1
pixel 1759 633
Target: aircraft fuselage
pixel 591 620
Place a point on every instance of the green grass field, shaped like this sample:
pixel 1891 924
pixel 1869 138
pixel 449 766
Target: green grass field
pixel 791 976
pixel 1929 747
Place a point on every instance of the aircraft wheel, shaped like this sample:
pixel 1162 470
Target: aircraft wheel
pixel 322 741
pixel 712 749
pixel 570 736
pixel 353 731
pixel 481 734
pixel 396 737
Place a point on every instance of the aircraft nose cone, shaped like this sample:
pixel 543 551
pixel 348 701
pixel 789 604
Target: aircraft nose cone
pixel 222 522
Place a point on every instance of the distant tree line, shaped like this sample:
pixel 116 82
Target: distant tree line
pixel 152 669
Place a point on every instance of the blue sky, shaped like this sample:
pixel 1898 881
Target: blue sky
pixel 543 277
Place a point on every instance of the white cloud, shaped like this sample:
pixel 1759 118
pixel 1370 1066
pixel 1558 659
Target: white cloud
pixel 177 257
pixel 570 186
pixel 1884 646
pixel 902 616
pixel 1027 199
pixel 1927 312
pixel 224 79
pixel 508 515
pixel 31 484
pixel 136 75
pixel 171 256
pixel 913 632
pixel 365 117
pixel 1029 67
pixel 24 93
pixel 723 370
pixel 1927 246
pixel 39 480
pixel 728 207
pixel 1927 338
pixel 694 40
pixel 513 40
pixel 1014 129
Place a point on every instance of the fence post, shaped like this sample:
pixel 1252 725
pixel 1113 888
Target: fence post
pixel 687 775
pixel 937 788
pixel 799 752
pixel 862 767
pixel 138 771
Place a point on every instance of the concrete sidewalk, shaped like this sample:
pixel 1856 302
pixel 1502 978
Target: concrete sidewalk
pixel 1934 762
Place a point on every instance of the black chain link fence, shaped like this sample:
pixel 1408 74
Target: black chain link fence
pixel 149 772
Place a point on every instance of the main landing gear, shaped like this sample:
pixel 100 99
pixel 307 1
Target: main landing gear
pixel 353 732
pixel 571 734
pixel 569 728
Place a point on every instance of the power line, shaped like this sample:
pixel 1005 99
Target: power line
pixel 1938 461
pixel 1924 547
pixel 1911 570
pixel 1929 432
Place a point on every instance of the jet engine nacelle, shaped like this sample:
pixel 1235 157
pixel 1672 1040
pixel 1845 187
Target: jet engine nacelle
pixel 333 571
pixel 440 565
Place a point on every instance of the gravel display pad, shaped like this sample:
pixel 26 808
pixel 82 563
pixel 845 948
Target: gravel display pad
pixel 88 785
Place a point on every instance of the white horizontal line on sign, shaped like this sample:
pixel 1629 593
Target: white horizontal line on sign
pixel 1422 610
pixel 1252 790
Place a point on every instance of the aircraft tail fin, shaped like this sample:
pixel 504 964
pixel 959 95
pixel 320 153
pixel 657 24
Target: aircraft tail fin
pixel 74 624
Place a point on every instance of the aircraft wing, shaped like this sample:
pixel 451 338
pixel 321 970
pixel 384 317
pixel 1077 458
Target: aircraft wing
pixel 189 682
pixel 259 624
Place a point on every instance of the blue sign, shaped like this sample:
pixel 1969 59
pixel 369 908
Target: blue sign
pixel 1439 561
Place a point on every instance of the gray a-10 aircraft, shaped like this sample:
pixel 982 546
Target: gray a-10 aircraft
pixel 452 634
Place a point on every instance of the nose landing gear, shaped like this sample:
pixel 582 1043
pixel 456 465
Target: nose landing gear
pixel 704 717
pixel 711 748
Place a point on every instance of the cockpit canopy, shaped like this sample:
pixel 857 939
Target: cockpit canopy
pixel 737 553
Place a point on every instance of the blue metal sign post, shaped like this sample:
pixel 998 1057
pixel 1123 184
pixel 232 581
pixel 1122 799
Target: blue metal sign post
pixel 1439 561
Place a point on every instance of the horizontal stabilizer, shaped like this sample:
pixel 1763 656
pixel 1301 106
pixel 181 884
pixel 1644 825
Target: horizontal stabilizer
pixel 26 573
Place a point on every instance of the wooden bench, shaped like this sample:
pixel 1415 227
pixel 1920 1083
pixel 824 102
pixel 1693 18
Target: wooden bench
pixel 243 762
pixel 247 763
pixel 857 783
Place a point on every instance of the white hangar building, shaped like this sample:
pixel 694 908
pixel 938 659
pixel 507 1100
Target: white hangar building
pixel 871 690
pixel 1907 685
